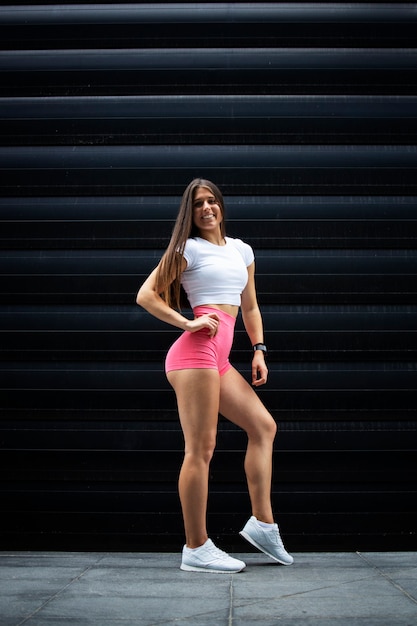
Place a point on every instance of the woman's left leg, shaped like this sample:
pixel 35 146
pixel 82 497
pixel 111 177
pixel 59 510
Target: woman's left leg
pixel 240 404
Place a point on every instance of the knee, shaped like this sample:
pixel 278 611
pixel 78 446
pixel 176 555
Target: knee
pixel 268 426
pixel 272 428
pixel 205 454
pixel 201 451
pixel 264 429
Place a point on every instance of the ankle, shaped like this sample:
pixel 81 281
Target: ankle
pixel 194 545
pixel 265 525
pixel 264 519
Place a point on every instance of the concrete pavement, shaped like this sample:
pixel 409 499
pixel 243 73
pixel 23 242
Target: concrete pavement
pixel 148 589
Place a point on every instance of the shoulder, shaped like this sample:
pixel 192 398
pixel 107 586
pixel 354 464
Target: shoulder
pixel 191 249
pixel 191 244
pixel 244 248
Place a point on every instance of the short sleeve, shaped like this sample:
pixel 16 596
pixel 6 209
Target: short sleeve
pixel 189 252
pixel 246 251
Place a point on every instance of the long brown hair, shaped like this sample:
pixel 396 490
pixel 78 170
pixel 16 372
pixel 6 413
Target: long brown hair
pixel 170 267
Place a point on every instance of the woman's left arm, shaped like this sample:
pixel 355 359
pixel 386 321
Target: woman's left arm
pixel 252 320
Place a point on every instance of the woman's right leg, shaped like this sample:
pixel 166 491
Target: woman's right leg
pixel 197 392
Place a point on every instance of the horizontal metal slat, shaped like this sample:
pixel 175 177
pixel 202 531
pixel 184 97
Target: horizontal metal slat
pixel 234 24
pixel 148 157
pixel 218 107
pixel 267 59
pixel 111 376
pixel 125 465
pixel 208 70
pixel 66 497
pixel 212 119
pixel 237 169
pixel 287 406
pixel 29 318
pixel 147 234
pixel 389 181
pixel 127 435
pixel 125 263
pixel 209 12
pixel 73 277
pixel 335 391
pixel 86 531
pixel 127 333
pixel 140 346
pixel 291 234
pixel 147 35
pixel 157 208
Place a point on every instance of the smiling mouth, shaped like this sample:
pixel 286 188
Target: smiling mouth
pixel 207 217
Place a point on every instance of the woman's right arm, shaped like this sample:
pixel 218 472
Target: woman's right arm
pixel 149 298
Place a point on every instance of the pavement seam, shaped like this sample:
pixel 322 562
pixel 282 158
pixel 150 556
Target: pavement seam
pixel 230 618
pixel 388 578
pixel 58 593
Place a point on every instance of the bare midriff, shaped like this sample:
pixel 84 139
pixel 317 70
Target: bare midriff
pixel 231 309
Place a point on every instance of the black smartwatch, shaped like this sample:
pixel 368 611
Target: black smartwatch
pixel 260 346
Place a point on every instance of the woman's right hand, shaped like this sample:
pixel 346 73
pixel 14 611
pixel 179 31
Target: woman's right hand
pixel 210 321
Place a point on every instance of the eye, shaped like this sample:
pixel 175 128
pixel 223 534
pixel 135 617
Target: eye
pixel 199 203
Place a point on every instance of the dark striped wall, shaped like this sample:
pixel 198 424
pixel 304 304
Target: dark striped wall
pixel 305 114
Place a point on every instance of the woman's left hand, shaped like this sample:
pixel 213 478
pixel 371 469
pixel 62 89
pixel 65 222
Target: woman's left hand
pixel 259 370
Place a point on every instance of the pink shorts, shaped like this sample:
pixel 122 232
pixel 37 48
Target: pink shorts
pixel 198 350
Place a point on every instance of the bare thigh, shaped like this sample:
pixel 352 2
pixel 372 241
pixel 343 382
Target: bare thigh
pixel 240 404
pixel 197 392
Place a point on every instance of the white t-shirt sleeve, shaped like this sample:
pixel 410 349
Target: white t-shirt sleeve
pixel 190 252
pixel 245 250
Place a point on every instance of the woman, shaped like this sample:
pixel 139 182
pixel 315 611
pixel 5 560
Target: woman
pixel 217 273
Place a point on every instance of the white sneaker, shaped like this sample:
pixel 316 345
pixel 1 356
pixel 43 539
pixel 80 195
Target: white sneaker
pixel 267 540
pixel 208 558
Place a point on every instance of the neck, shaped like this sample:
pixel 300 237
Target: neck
pixel 216 238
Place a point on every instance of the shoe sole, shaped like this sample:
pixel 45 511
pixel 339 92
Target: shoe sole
pixel 206 570
pixel 248 538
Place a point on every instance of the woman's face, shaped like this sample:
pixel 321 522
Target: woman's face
pixel 207 213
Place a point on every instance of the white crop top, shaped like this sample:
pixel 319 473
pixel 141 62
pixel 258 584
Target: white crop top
pixel 215 274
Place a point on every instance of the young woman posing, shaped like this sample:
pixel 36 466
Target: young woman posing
pixel 217 273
